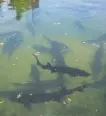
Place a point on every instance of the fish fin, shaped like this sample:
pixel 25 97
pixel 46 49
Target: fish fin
pixel 49 65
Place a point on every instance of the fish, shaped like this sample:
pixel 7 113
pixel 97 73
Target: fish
pixel 57 50
pixel 34 74
pixel 55 45
pixel 40 48
pixel 78 24
pixel 97 41
pixel 31 28
pixel 97 65
pixel 27 98
pixel 12 43
pixel 8 35
pixel 41 86
pixel 37 84
pixel 73 72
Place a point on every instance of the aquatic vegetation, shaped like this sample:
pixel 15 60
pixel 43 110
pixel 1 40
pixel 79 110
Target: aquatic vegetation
pixel 20 7
pixel 57 50
pixel 31 24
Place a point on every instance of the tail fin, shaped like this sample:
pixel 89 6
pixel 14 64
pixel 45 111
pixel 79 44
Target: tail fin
pixel 38 62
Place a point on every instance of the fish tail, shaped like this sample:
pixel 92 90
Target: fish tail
pixel 38 62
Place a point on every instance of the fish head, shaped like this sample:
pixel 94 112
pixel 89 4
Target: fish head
pixel 86 74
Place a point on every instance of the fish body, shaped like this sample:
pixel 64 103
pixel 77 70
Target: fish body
pixel 27 99
pixel 62 69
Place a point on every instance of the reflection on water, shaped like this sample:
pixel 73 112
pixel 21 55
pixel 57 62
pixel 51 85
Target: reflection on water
pixel 64 32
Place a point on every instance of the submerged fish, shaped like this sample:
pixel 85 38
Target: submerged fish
pixel 8 35
pixel 41 86
pixel 62 69
pixel 78 24
pixel 97 62
pixel 38 85
pixel 12 43
pixel 57 50
pixel 27 98
pixel 34 74
pixel 97 41
pixel 40 48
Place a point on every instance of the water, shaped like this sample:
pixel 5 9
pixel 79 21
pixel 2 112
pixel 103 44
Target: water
pixel 64 33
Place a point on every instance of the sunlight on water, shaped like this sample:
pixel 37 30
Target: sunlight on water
pixel 53 58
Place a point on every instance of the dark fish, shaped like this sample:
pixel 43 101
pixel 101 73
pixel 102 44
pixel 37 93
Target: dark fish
pixel 27 99
pixel 8 35
pixel 97 62
pixel 62 69
pixel 78 24
pixel 100 39
pixel 38 85
pixel 34 74
pixel 41 48
pixel 57 45
pixel 41 86
pixel 57 50
pixel 12 44
pixel 31 28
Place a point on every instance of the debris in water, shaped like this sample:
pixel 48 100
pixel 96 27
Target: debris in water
pixel 1 44
pixel 19 95
pixel 65 33
pixel 83 42
pixel 1 102
pixel 17 58
pixel 93 44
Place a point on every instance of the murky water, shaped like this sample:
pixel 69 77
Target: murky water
pixel 69 39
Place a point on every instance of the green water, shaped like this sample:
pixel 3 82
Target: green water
pixel 56 20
